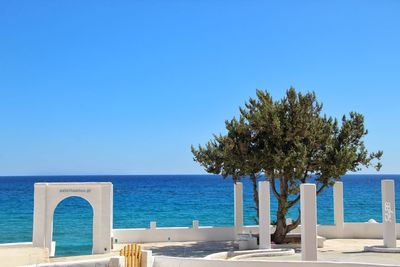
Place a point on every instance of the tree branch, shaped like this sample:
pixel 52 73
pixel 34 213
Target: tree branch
pixel 253 178
pixel 321 188
pixel 303 180
pixel 296 223
pixel 274 188
pixel 293 202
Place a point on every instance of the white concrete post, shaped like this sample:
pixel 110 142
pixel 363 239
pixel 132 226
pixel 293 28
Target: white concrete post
pixel 147 258
pixel 308 222
pixel 388 214
pixel 39 212
pixel 153 225
pixel 238 206
pixel 116 261
pixel 338 209
pixel 195 224
pixel 264 215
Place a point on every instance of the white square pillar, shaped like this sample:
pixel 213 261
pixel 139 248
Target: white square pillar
pixel 238 206
pixel 388 214
pixel 338 209
pixel 39 213
pixel 264 215
pixel 308 222
pixel 147 258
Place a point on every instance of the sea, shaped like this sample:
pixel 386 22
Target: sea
pixel 170 200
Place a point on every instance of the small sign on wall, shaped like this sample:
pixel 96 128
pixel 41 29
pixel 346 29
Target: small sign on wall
pixel 73 190
pixel 388 214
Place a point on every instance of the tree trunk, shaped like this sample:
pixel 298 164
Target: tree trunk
pixel 281 228
pixel 253 178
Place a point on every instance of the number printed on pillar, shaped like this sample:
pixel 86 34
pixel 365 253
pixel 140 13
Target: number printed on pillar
pixel 388 212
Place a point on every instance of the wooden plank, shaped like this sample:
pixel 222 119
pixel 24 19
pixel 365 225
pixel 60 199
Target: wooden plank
pixel 132 259
pixel 132 255
pixel 125 258
pixel 136 252
pixel 139 255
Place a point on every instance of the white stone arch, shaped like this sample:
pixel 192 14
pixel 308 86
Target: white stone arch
pixel 77 232
pixel 47 196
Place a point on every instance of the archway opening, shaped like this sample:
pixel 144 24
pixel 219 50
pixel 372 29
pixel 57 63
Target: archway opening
pixel 73 227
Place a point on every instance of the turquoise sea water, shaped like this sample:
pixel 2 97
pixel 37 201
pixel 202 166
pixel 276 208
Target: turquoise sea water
pixel 171 200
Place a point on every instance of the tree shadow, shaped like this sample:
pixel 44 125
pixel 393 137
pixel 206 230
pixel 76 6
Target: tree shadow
pixel 198 249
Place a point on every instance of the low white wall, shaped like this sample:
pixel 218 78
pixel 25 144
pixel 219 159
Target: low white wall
pixel 211 233
pixel 165 234
pixel 114 261
pixel 17 244
pixel 161 261
pixel 355 231
pixel 82 263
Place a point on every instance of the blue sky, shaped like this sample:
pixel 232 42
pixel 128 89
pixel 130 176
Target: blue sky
pixel 100 87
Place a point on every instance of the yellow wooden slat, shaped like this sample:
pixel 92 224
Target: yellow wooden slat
pixel 133 255
pixel 136 251
pixel 139 256
pixel 125 256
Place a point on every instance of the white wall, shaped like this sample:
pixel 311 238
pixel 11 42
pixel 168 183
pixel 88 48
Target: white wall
pixel 355 231
pixel 161 261
pixel 203 233
pixel 82 263
pixel 181 234
pixel 113 261
pixel 164 261
pixel 210 233
pixel 47 196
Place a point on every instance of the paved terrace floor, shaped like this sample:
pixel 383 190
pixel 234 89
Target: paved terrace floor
pixel 11 255
pixel 342 250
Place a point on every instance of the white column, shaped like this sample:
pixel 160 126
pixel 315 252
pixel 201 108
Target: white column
pixel 338 209
pixel 264 215
pixel 147 258
pixel 388 214
pixel 116 261
pixel 39 215
pixel 308 222
pixel 238 206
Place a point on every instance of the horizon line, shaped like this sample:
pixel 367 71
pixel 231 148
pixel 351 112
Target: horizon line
pixel 157 174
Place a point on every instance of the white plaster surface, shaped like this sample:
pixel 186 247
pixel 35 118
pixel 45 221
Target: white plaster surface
pixel 338 208
pixel 308 206
pixel 388 213
pixel 238 206
pixel 17 254
pixel 48 195
pixel 264 215
pixel 337 252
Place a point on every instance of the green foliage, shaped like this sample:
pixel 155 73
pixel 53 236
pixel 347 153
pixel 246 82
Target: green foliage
pixel 289 141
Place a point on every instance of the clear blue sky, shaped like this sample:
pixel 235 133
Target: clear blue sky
pixel 99 87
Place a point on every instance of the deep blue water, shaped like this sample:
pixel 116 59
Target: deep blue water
pixel 171 200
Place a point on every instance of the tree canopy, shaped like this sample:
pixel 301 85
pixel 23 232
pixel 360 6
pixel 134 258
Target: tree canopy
pixel 289 142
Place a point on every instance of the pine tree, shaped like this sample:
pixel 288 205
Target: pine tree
pixel 288 142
